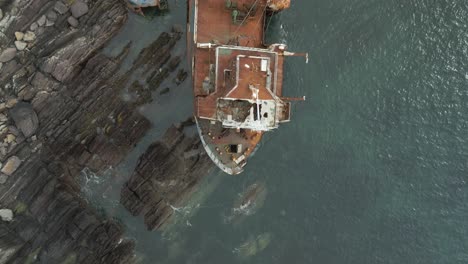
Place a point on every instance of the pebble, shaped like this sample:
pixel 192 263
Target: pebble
pixel 41 21
pixel 79 8
pixel 60 7
pixel 33 26
pixel 3 118
pixel 6 215
pixel 7 55
pixel 51 15
pixel 2 107
pixel 19 35
pixel 20 45
pixel 11 165
pixel 29 36
pixel 73 21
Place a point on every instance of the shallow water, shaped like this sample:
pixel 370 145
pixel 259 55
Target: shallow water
pixel 373 167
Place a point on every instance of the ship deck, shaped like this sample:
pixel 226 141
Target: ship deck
pixel 232 63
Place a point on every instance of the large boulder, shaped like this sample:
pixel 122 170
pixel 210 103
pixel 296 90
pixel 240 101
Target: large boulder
pixel 7 55
pixel 25 118
pixel 11 165
pixel 79 9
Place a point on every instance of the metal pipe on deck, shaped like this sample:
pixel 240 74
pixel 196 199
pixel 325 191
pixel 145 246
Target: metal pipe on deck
pixel 297 54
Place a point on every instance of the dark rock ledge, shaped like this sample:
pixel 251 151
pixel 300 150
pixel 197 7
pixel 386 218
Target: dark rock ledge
pixel 61 111
pixel 166 176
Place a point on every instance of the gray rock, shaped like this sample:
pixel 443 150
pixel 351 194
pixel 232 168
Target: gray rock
pixel 1 14
pixel 79 8
pixel 20 45
pixel 51 15
pixel 6 215
pixel 41 21
pixel 33 26
pixel 73 21
pixel 25 118
pixel 49 23
pixel 7 55
pixel 29 36
pixel 11 102
pixel 60 7
pixel 11 165
pixel 3 178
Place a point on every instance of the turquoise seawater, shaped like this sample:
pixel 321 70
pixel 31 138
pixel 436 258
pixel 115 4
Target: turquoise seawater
pixel 373 167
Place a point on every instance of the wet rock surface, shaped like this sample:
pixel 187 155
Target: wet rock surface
pixel 61 111
pixel 166 175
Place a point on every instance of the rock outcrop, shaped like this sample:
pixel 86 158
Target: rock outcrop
pixel 61 111
pixel 165 177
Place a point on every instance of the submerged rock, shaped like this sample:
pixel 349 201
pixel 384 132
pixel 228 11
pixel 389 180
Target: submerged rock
pixel 254 245
pixel 25 118
pixel 248 203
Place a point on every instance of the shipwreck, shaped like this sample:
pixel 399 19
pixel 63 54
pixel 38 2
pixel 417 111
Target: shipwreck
pixel 237 78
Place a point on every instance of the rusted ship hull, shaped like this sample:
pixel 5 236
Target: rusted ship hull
pixel 237 80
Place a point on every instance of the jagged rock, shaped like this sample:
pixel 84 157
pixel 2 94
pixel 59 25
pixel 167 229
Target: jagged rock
pixel 79 8
pixel 7 55
pixel 34 26
pixel 73 21
pixel 60 7
pixel 25 118
pixel 19 35
pixel 29 36
pixel 11 165
pixel 51 15
pixel 41 21
pixel 6 215
pixel 20 45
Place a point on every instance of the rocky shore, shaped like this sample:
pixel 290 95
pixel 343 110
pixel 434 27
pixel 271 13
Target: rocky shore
pixel 166 176
pixel 61 110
